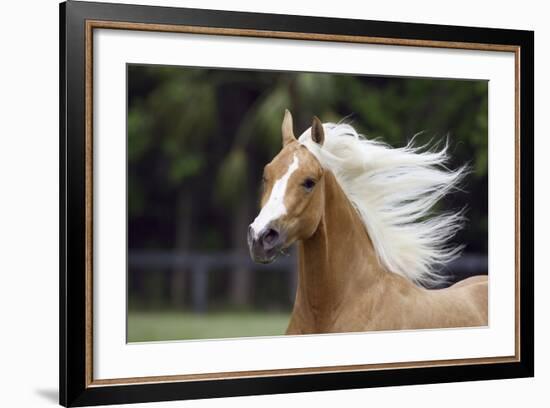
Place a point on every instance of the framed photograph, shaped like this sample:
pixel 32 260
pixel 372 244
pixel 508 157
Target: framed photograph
pixel 255 203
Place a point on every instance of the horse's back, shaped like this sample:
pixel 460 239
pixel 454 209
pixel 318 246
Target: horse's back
pixel 473 280
pixel 476 290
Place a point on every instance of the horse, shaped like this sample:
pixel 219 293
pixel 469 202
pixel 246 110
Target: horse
pixel 369 245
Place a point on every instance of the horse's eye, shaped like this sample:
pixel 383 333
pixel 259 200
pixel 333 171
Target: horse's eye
pixel 308 184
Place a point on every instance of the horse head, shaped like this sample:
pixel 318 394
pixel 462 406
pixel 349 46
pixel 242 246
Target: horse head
pixel 292 201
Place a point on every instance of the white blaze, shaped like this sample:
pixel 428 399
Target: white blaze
pixel 275 206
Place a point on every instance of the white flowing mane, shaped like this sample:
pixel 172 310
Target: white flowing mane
pixel 394 191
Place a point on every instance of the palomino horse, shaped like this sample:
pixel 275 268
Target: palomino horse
pixel 359 210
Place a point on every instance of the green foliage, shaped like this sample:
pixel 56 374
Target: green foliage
pixel 209 132
pixel 231 177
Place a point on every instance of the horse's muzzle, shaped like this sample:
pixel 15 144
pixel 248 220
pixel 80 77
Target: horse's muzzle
pixel 266 245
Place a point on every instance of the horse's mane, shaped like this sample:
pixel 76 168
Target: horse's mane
pixel 394 191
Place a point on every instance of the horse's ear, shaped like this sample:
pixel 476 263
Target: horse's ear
pixel 317 131
pixel 288 131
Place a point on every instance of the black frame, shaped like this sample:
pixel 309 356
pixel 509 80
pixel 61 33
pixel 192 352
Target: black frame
pixel 73 390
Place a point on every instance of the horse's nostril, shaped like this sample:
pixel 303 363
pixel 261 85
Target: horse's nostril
pixel 270 236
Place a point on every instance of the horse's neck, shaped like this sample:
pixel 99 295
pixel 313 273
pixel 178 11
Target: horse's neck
pixel 337 257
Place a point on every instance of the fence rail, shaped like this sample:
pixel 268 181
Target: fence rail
pixel 200 265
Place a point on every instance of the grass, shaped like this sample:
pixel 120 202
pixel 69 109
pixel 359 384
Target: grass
pixel 163 326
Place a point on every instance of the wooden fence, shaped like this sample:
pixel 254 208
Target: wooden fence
pixel 199 266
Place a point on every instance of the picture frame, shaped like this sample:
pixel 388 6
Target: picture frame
pixel 78 23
